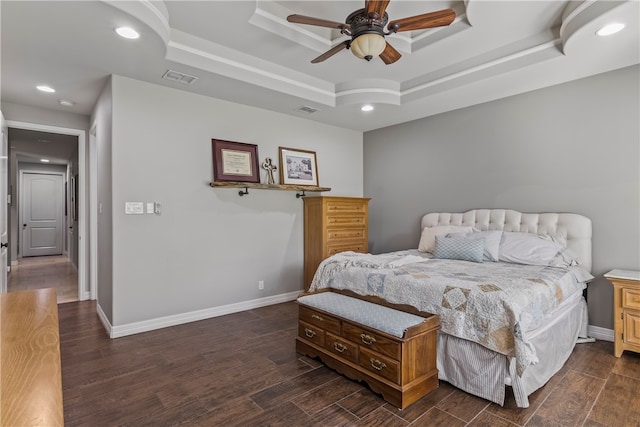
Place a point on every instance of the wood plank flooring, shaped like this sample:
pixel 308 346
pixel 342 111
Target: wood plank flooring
pixel 242 370
pixel 55 271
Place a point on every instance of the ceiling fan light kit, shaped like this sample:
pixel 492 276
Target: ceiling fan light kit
pixel 368 46
pixel 366 27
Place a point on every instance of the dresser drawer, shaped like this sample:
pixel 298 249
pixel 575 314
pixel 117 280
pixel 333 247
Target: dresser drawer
pixel 346 221
pixel 324 321
pixel 631 298
pixel 379 364
pixel 342 234
pixel 343 247
pixel 367 339
pixel 311 333
pixel 341 347
pixel 346 206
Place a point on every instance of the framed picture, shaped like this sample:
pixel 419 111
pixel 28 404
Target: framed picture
pixel 235 161
pixel 298 167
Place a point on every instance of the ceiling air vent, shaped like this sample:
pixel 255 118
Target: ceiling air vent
pixel 179 77
pixel 307 109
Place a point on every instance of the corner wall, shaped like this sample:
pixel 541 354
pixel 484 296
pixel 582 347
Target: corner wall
pixel 573 147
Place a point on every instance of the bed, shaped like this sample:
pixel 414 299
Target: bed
pixel 510 316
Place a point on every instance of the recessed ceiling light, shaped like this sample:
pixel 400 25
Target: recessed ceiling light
pixel 44 160
pixel 609 29
pixel 45 88
pixel 127 33
pixel 367 107
pixel 66 103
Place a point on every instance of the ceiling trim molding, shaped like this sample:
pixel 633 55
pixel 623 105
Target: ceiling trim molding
pixel 262 74
pixel 511 61
pixel 153 14
pixel 586 14
pixel 318 39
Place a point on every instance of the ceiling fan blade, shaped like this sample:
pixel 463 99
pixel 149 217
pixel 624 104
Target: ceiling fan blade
pixel 376 6
pixel 309 20
pixel 328 54
pixel 390 55
pixel 421 22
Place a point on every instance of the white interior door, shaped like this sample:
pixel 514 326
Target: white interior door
pixel 42 213
pixel 4 179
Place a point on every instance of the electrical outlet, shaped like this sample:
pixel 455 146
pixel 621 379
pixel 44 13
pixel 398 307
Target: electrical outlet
pixel 261 285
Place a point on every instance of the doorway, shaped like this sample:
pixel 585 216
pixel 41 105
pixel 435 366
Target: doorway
pixel 41 210
pixel 64 269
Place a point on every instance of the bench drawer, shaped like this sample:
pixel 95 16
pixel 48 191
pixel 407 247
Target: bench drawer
pixel 379 365
pixel 341 347
pixel 311 333
pixel 369 339
pixel 324 321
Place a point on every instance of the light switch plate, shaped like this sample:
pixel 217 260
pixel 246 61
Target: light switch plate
pixel 150 208
pixel 133 208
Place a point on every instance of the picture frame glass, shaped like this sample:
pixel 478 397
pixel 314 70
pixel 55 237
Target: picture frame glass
pixel 235 161
pixel 298 167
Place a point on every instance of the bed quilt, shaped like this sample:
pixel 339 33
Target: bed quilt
pixel 491 303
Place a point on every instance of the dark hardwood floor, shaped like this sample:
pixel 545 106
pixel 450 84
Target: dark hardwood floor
pixel 242 370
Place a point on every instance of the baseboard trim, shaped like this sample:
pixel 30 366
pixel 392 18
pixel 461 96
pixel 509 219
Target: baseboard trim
pixel 105 321
pixel 599 333
pixel 193 316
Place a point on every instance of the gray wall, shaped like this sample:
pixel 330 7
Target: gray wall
pixel 574 147
pixel 102 117
pixel 209 247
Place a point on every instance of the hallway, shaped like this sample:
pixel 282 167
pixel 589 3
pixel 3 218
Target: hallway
pixel 45 272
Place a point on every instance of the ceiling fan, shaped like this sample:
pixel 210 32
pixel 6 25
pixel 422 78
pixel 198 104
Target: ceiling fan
pixel 366 27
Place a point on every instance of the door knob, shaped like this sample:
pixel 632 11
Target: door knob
pixel 4 245
pixel 24 225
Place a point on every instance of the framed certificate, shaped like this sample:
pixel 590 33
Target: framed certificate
pixel 235 161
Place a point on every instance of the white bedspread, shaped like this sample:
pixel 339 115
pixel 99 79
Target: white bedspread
pixel 491 303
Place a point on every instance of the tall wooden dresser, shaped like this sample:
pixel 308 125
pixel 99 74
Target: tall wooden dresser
pixel 332 225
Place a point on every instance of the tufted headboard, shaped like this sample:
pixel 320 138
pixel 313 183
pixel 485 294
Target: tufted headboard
pixel 573 230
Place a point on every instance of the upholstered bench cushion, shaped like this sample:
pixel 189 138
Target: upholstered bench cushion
pixel 374 316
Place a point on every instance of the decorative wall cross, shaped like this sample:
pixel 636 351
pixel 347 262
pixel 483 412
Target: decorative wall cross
pixel 270 168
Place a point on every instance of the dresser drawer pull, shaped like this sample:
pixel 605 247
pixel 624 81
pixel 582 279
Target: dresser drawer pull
pixel 309 332
pixel 339 346
pixel 367 339
pixel 378 365
pixel 318 318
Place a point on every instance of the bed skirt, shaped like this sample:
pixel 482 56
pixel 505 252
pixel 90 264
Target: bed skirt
pixel 485 373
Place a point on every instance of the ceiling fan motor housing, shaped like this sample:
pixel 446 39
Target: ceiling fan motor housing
pixel 362 24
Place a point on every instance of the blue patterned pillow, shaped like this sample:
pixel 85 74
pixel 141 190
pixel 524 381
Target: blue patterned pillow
pixel 459 248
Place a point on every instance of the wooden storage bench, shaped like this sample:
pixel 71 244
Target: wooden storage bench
pixel 391 350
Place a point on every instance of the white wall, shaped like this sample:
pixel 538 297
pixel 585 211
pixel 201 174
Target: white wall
pixel 573 147
pixel 209 247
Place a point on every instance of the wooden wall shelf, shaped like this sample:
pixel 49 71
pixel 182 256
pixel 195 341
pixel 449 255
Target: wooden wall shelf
pixel 282 187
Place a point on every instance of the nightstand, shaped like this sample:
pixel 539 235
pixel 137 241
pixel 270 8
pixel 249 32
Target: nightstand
pixel 626 310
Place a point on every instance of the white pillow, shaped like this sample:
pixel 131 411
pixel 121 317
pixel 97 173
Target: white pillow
pixel 491 242
pixel 534 249
pixel 428 237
